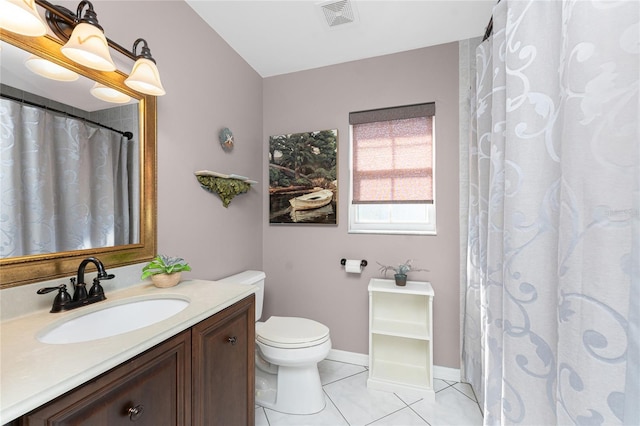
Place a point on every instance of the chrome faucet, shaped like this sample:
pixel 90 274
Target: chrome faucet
pixel 64 302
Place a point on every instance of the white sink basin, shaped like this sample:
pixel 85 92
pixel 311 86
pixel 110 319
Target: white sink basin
pixel 112 320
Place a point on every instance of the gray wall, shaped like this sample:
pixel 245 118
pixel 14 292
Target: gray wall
pixel 302 263
pixel 208 87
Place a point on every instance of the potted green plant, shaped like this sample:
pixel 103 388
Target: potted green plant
pixel 400 271
pixel 165 271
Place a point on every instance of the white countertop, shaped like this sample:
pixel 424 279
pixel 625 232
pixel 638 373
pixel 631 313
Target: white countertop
pixel 33 373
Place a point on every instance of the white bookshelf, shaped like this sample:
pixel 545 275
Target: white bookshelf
pixel 400 337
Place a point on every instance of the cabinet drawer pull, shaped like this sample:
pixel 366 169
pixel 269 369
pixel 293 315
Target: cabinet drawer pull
pixel 233 340
pixel 135 412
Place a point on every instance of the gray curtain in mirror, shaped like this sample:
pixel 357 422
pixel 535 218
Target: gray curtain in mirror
pixel 65 184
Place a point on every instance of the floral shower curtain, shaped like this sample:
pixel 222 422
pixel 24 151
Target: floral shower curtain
pixel 551 310
pixel 64 184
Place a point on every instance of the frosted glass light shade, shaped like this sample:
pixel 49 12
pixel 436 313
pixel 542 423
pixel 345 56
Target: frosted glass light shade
pixel 108 94
pixel 50 70
pixel 88 46
pixel 145 78
pixel 21 17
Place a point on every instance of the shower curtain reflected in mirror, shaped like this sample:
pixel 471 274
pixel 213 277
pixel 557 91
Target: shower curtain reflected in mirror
pixel 65 184
pixel 551 312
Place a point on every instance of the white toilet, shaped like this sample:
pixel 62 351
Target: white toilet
pixel 288 350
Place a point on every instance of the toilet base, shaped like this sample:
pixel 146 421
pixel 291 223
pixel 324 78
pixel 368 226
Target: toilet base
pixel 293 390
pixel 266 388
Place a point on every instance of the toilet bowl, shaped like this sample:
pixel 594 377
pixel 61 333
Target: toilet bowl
pixel 288 350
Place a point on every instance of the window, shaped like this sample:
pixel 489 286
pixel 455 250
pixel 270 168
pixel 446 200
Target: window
pixel 392 164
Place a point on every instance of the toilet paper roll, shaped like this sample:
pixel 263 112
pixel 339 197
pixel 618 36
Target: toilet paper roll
pixel 353 266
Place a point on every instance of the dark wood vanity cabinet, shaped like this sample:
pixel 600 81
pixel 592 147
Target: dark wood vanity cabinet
pixel 223 367
pixel 202 376
pixel 152 389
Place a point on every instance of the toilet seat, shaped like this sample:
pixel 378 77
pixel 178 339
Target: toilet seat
pixel 291 332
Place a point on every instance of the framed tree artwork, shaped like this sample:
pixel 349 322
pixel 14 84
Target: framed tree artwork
pixel 303 181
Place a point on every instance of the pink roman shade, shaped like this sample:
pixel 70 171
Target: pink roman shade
pixel 392 155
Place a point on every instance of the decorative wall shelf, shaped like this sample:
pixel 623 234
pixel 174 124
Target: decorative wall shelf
pixel 226 186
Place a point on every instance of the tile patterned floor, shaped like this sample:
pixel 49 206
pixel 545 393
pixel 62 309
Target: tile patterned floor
pixel 351 403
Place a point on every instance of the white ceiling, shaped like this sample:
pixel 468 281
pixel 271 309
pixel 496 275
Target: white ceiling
pixel 282 36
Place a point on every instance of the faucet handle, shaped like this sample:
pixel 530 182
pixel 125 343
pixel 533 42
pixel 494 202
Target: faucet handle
pixel 97 290
pixel 105 276
pixel 45 290
pixel 62 298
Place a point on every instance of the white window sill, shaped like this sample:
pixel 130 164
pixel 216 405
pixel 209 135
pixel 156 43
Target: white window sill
pixel 391 232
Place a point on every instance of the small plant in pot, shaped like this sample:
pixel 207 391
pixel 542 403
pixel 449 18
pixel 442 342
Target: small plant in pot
pixel 400 271
pixel 165 271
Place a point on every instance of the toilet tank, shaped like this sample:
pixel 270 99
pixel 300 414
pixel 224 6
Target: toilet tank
pixel 250 277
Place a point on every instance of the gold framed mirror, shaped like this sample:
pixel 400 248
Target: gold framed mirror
pixel 31 268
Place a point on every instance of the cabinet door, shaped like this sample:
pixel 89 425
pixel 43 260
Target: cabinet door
pixel 223 367
pixel 152 389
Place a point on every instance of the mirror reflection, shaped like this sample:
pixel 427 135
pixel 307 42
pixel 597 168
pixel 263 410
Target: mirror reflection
pixel 70 177
pixel 135 221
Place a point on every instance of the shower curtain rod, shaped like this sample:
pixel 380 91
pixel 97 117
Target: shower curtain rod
pixel 489 30
pixel 128 135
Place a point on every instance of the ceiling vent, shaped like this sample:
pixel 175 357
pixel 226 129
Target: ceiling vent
pixel 338 12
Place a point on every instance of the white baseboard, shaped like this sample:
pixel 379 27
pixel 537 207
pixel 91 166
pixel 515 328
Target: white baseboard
pixel 443 373
pixel 348 357
pixel 446 373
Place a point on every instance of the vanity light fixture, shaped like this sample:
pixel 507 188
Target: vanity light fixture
pixel 108 94
pixel 87 45
pixel 50 70
pixel 21 16
pixel 144 76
